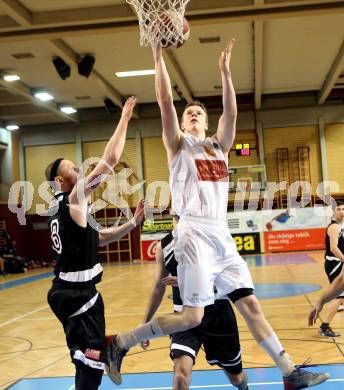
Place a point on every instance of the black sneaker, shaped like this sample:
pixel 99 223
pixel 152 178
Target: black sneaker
pixel 328 332
pixel 301 379
pixel 114 358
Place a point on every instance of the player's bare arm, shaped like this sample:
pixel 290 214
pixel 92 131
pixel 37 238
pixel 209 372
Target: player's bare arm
pixel 108 235
pixel 334 232
pixel 227 124
pixel 336 287
pixel 82 191
pixel 172 135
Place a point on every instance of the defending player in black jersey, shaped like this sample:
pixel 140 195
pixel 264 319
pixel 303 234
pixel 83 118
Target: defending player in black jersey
pixel 73 296
pixel 337 285
pixel 218 331
pixel 334 257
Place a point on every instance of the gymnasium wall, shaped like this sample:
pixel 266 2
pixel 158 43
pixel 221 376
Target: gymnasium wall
pixel 334 134
pixel 30 150
pixel 6 163
pixel 37 158
pixel 15 157
pixel 292 138
pixel 35 147
pixel 128 160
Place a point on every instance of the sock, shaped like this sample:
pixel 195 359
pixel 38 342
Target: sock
pixel 324 325
pixel 149 330
pixel 273 347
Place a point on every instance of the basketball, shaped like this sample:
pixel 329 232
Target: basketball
pixel 269 226
pixel 163 28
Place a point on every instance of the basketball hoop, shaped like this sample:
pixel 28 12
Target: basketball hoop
pixel 161 21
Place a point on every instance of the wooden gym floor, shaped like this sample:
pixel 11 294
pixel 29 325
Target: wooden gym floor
pixel 32 342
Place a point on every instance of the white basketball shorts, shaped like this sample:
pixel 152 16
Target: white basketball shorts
pixel 207 256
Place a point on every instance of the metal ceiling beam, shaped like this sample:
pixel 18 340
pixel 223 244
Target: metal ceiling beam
pixel 83 15
pixel 7 99
pixel 178 76
pixel 21 15
pixel 17 12
pixel 7 23
pixel 258 62
pixel 213 15
pixel 22 89
pixel 333 75
pixel 258 32
pixel 22 110
pixel 69 55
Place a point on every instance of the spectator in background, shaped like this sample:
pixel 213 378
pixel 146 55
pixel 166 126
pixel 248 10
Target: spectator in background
pixel 12 263
pixel 2 266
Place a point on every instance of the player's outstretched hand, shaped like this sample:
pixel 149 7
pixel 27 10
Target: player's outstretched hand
pixel 314 314
pixel 145 344
pixel 128 108
pixel 170 281
pixel 225 57
pixel 139 212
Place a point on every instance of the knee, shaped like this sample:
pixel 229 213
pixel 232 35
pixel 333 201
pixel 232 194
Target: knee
pixel 181 379
pixel 236 379
pixel 192 320
pixel 239 380
pixel 250 305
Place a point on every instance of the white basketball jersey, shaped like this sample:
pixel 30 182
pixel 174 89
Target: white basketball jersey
pixel 199 179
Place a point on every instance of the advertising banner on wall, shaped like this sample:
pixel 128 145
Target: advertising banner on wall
pixel 278 230
pixel 247 243
pixel 151 233
pixel 245 227
pixel 294 230
pixel 245 222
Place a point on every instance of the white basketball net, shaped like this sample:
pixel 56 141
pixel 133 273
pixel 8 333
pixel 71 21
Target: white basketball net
pixel 160 21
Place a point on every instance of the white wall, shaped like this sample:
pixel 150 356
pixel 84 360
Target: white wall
pixel 147 127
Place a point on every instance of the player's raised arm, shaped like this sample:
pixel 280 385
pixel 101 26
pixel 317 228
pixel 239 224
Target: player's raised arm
pixel 227 124
pixel 110 158
pixel 172 135
pixel 108 235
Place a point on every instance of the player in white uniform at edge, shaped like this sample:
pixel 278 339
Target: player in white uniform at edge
pixel 204 249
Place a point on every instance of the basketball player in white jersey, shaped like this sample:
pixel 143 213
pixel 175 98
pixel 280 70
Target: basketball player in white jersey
pixel 204 248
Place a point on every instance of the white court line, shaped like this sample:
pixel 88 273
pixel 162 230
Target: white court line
pixel 219 386
pixel 115 277
pixel 160 312
pixel 297 304
pixel 23 316
pixel 107 316
pixel 45 306
pixel 71 388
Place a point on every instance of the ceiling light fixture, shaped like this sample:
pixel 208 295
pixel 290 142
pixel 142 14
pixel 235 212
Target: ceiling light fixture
pixel 135 73
pixel 43 96
pixel 12 127
pixel 68 110
pixel 11 77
